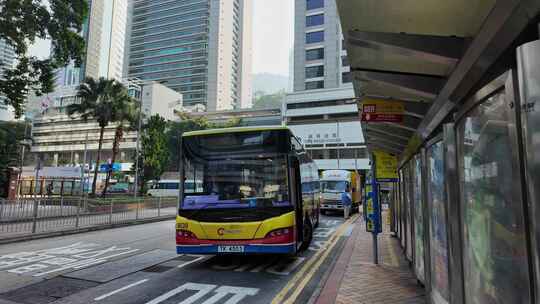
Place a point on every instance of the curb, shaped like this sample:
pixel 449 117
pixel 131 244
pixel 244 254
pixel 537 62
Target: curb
pixel 83 230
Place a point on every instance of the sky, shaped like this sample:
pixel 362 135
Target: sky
pixel 273 32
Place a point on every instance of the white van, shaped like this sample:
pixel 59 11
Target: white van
pixel 170 187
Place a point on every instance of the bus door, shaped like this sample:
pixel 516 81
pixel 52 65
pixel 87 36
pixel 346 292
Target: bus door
pixel 296 196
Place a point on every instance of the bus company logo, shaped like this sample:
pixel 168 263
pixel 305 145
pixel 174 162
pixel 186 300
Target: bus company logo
pixel 222 231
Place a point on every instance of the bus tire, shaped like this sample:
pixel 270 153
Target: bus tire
pixel 308 235
pixel 318 218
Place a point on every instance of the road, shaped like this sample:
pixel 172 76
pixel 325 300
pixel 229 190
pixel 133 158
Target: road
pixel 138 264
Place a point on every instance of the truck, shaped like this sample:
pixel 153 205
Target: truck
pixel 336 182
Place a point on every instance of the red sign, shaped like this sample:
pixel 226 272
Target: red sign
pixel 378 117
pixel 380 110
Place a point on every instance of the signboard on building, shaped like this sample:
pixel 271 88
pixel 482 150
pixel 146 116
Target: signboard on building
pixel 386 166
pixel 382 110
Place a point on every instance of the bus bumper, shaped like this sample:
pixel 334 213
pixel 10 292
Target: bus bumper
pixel 247 249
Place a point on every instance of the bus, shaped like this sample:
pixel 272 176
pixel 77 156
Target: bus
pixel 170 187
pixel 260 192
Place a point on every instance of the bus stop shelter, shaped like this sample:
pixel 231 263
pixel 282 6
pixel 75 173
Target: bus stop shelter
pixel 467 74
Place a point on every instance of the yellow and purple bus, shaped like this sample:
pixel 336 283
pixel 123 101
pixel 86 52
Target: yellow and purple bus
pixel 260 192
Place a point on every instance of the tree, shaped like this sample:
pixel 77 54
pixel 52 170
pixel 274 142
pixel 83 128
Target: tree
pixel 96 103
pixel 154 154
pixel 21 23
pixel 125 114
pixel 11 135
pixel 268 101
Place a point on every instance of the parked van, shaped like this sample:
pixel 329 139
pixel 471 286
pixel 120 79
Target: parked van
pixel 170 187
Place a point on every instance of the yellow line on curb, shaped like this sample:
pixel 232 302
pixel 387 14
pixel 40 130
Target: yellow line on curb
pixel 279 298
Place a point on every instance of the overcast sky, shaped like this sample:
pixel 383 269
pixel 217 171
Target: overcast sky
pixel 272 37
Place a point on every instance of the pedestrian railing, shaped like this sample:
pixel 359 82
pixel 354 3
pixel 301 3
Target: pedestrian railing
pixel 39 215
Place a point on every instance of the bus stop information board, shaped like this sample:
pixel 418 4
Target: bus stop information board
pixel 372 211
pixel 382 110
pixel 385 167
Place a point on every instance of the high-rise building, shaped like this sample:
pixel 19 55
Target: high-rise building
pixel 104 32
pixel 201 48
pixel 7 59
pixel 320 59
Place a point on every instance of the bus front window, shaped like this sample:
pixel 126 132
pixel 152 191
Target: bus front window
pixel 247 182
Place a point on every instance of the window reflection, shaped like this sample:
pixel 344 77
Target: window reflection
pixel 494 249
pixel 438 225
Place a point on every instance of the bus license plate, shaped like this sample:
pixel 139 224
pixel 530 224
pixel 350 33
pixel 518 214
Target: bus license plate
pixel 230 249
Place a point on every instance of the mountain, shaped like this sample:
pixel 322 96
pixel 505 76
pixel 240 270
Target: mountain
pixel 270 83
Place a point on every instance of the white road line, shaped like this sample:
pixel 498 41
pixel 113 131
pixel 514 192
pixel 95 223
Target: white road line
pixel 191 262
pixel 119 290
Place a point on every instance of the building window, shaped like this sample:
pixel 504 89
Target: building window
pixel 315 71
pixel 312 85
pixel 315 20
pixel 346 77
pixel 314 4
pixel 345 61
pixel 315 54
pixel 315 37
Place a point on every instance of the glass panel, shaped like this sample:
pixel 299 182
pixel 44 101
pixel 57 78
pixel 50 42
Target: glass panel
pixel 315 20
pixel 313 4
pixel 418 220
pixel 438 226
pixel 315 71
pixel 315 37
pixel 315 54
pixel 408 213
pixel 402 208
pixel 494 246
pixel 311 85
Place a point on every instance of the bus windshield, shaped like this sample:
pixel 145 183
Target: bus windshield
pixel 334 186
pixel 237 172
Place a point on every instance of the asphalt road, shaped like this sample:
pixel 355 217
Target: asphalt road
pixel 138 264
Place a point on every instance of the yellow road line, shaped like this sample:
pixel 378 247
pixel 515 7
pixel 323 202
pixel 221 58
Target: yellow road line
pixel 279 298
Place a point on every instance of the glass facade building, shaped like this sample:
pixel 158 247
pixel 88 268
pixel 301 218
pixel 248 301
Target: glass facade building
pixel 179 44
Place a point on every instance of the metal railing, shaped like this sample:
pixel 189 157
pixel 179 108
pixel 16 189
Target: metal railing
pixel 39 215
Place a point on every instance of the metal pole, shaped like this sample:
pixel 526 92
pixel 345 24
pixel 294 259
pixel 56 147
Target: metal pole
pixel 83 167
pixel 136 179
pixel 338 156
pixel 35 211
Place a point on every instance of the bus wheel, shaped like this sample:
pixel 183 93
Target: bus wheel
pixel 308 236
pixel 318 219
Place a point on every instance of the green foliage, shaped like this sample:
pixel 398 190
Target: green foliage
pixel 106 101
pixel 261 100
pixel 22 22
pixel 154 154
pixel 11 134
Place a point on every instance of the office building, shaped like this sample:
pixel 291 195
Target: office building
pixel 60 139
pixel 7 60
pixel 201 48
pixel 326 121
pixel 320 59
pixel 104 32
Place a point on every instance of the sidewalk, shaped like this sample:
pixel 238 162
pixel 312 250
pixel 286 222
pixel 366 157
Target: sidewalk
pixel 355 279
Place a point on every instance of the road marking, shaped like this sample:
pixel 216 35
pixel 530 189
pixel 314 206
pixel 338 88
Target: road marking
pixel 316 258
pixel 119 290
pixel 220 293
pixel 191 262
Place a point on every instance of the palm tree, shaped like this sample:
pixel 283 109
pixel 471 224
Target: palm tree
pixel 125 115
pixel 96 102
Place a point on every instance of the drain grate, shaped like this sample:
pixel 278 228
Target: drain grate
pixel 158 269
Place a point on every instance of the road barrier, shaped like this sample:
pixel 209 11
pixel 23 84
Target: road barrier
pixel 26 216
